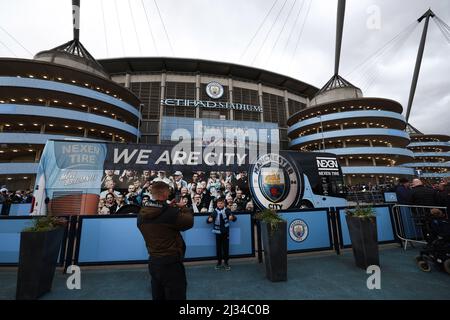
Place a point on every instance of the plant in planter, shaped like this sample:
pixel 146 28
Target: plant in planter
pixel 274 239
pixel 362 227
pixel 39 249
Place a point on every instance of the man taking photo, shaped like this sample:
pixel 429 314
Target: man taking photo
pixel 160 224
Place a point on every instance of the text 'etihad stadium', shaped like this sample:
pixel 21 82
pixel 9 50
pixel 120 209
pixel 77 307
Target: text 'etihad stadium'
pixel 210 104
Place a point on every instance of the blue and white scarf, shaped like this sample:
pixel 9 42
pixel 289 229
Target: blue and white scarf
pixel 217 227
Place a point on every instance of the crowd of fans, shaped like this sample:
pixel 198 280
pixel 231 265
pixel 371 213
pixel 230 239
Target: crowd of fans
pixel 198 190
pixel 417 192
pixel 368 187
pixel 19 196
pixel 12 197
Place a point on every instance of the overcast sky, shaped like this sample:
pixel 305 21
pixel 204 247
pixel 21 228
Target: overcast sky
pixel 296 39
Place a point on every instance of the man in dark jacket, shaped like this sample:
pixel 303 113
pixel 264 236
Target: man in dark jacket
pixel 5 201
pixel 242 182
pixel 422 195
pixel 443 195
pixel 403 191
pixel 160 225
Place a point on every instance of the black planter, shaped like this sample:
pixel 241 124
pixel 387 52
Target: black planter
pixel 275 251
pixel 363 234
pixel 37 262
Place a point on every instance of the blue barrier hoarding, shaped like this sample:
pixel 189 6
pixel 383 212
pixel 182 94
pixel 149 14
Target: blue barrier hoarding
pixel 10 229
pixel 110 239
pixel 10 238
pixel 385 230
pixel 116 239
pixel 307 230
pixel 201 242
pixel 16 209
pixel 20 209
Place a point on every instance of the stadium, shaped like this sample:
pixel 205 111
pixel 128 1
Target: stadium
pixel 65 93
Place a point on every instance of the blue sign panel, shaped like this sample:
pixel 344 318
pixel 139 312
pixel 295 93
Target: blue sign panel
pixel 106 239
pixel 307 230
pixel 201 242
pixel 390 197
pixel 117 239
pixel 20 209
pixel 385 231
pixel 10 238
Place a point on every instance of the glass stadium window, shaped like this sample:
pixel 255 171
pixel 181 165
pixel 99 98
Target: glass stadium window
pixel 150 95
pixel 274 109
pixel 295 106
pixel 179 90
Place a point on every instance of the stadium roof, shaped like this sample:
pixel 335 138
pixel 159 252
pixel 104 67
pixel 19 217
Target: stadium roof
pixel 188 65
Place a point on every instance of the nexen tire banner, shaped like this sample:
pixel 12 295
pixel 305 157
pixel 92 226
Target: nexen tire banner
pixel 73 176
pixel 69 178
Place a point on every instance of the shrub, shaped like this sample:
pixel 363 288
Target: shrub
pixel 271 217
pixel 46 223
pixel 361 212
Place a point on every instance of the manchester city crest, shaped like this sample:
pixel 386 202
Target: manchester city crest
pixel 298 230
pixel 214 90
pixel 275 182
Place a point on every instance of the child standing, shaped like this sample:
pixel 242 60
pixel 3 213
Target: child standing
pixel 221 217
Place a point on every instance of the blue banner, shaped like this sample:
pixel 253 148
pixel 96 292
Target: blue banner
pixel 75 177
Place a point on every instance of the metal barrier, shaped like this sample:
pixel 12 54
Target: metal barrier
pixel 409 222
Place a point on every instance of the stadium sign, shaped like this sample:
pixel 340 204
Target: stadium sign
pixel 210 104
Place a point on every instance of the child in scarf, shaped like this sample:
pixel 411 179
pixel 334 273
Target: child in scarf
pixel 220 218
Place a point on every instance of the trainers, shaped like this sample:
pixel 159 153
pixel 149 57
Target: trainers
pixel 227 267
pixel 218 267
